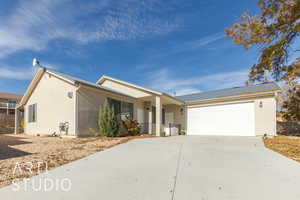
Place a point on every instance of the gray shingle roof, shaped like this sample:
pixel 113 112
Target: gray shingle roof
pixel 227 92
pixel 85 82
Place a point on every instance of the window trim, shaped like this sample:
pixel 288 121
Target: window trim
pixel 163 115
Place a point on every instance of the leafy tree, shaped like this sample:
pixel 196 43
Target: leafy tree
pixel 291 107
pixel 108 121
pixel 275 30
pixel 283 96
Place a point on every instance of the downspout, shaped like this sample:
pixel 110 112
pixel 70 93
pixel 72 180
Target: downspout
pixel 275 124
pixel 76 110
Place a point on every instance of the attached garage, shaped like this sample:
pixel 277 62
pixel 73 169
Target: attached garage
pixel 230 119
pixel 239 111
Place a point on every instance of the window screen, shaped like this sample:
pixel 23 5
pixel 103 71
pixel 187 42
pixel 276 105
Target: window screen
pixel 115 104
pixel 163 119
pixel 32 110
pixel 126 110
pixel 122 109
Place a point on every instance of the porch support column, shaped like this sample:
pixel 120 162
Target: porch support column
pixel 150 119
pixel 16 121
pixel 158 115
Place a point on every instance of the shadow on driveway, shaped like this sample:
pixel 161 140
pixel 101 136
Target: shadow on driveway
pixel 6 151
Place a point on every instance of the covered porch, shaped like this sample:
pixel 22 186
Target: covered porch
pixel 158 113
pixel 163 115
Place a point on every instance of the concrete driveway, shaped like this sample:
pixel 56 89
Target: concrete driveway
pixel 181 168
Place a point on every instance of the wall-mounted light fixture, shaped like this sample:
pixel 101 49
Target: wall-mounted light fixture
pixel 260 104
pixel 181 111
pixel 70 95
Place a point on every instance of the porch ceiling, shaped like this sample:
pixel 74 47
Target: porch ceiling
pixel 165 100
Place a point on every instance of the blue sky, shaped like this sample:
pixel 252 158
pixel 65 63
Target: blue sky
pixel 169 45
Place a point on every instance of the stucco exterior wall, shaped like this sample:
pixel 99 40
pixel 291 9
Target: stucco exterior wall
pixel 89 102
pixel 265 116
pixel 179 117
pixel 124 89
pixel 140 112
pixel 53 106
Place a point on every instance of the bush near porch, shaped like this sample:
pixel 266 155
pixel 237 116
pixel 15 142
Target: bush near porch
pixel 132 127
pixel 107 121
pixel 111 126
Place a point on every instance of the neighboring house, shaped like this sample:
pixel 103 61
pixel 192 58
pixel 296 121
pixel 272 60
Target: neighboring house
pixel 8 103
pixel 54 98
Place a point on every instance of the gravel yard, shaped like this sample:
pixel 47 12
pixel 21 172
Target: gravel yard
pixel 286 145
pixel 23 156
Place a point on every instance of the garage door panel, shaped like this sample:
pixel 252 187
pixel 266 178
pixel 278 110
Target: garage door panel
pixel 230 119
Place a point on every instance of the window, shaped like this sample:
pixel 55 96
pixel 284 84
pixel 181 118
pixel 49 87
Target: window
pixel 32 113
pixel 153 115
pixel 163 117
pixel 122 109
pixel 115 104
pixel 126 110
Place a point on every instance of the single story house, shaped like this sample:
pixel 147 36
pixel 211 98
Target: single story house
pixel 59 103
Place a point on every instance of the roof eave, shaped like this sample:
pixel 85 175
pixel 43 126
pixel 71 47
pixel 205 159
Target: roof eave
pixel 174 98
pixel 61 77
pixel 38 75
pixel 103 89
pixel 233 97
pixel 104 77
pixel 77 83
pixel 101 79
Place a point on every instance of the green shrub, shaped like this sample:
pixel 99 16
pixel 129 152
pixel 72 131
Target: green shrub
pixel 108 121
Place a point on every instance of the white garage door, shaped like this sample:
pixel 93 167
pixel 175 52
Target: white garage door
pixel 230 119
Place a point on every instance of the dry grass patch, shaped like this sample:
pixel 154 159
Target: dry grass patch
pixel 50 151
pixel 286 145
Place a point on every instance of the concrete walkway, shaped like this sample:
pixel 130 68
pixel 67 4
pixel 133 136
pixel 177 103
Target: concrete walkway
pixel 180 168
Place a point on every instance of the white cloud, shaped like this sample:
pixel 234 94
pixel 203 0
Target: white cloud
pixel 36 22
pixel 208 42
pixel 199 43
pixel 204 41
pixel 9 73
pixel 21 73
pixel 164 80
